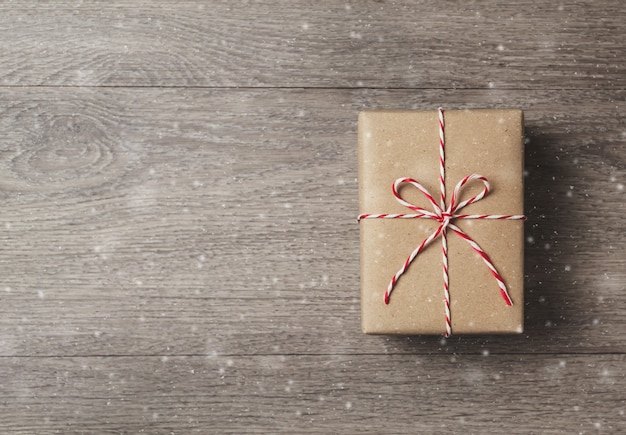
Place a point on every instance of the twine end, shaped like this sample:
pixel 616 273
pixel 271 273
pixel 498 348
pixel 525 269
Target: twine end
pixel 506 298
pixel 386 298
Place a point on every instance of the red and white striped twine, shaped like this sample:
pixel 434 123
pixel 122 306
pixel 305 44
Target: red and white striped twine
pixel 444 215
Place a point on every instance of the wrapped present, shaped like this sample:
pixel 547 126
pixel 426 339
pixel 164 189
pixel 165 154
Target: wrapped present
pixel 442 238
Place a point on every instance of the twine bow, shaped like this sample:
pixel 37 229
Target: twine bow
pixel 444 215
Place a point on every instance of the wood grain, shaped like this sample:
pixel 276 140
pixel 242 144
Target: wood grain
pixel 500 44
pixel 315 394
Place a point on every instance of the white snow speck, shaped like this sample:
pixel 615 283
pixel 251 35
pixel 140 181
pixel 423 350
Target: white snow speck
pixel 500 47
pixel 164 359
pixel 568 268
pixel 151 171
pixel 230 362
pixel 41 294
pixel 547 246
pixel 348 7
pixel 595 322
pixel 7 289
pixel 355 35
pixel 485 352
pixel 620 186
pixel 305 26
pixel 530 240
pixel 597 425
pixel 287 205
pixel 97 334
pixel 348 405
pixel 490 84
pixel 562 363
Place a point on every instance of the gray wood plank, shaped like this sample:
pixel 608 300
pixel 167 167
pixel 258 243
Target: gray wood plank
pixel 521 44
pixel 193 221
pixel 314 394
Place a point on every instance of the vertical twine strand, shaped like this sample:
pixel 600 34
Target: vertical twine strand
pixel 445 222
pixel 442 160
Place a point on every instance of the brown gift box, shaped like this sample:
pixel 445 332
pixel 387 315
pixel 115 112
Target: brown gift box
pixel 397 144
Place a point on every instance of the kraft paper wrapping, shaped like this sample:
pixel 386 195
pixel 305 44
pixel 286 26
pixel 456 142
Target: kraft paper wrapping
pixel 396 144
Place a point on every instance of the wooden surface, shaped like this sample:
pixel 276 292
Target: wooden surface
pixel 178 246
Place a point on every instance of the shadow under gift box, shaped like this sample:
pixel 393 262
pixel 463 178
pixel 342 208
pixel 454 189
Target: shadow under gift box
pixel 398 144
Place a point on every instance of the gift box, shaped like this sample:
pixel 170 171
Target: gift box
pixel 441 224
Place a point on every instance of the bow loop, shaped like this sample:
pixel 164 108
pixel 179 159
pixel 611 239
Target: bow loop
pixel 427 214
pixel 454 206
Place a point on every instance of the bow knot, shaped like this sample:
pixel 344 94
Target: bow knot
pixel 445 220
pixel 440 213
